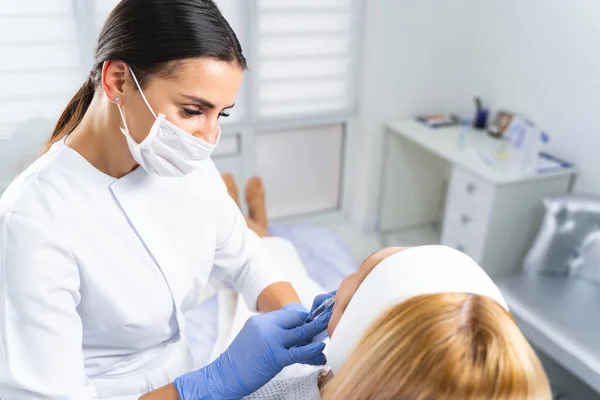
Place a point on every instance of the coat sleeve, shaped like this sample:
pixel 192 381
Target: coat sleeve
pixel 40 330
pixel 240 257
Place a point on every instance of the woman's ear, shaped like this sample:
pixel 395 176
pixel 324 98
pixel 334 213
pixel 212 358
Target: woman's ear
pixel 114 75
pixel 324 378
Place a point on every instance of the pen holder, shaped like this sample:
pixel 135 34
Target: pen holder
pixel 480 121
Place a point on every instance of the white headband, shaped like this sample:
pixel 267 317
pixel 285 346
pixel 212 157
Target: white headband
pixel 408 273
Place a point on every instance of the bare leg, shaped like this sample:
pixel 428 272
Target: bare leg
pixel 259 230
pixel 255 197
pixel 232 187
pixel 233 191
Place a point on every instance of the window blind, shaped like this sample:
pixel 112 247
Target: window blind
pixel 39 61
pixel 304 57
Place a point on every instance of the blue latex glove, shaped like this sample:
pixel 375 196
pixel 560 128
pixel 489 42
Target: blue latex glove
pixel 316 303
pixel 320 299
pixel 266 344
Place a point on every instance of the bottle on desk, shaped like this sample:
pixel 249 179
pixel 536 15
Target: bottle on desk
pixel 464 133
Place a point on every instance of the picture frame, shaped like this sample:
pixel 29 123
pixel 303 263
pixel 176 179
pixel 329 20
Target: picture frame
pixel 500 124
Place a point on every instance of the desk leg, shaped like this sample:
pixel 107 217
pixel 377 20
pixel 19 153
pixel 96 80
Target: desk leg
pixel 412 185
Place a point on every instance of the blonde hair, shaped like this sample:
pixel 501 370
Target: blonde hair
pixel 442 346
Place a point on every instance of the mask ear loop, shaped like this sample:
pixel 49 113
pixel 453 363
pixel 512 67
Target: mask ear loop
pixel 142 93
pixel 123 118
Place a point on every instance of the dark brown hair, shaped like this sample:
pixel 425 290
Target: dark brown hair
pixel 148 35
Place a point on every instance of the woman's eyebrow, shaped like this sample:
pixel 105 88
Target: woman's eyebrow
pixel 204 102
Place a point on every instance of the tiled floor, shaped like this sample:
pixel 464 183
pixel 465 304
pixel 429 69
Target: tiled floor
pixel 414 237
pixel 363 244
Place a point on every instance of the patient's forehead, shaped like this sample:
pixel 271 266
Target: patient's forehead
pixel 374 259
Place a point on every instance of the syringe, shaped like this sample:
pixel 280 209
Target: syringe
pixel 322 309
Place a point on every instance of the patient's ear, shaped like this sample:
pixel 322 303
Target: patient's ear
pixel 324 378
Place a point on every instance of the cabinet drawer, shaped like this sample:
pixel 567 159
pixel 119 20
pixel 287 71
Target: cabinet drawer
pixel 466 223
pixel 468 238
pixel 473 250
pixel 470 193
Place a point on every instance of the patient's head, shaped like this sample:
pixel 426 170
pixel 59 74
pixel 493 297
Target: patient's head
pixel 427 323
pixel 349 285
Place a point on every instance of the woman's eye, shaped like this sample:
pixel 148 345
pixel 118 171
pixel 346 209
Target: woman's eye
pixel 224 114
pixel 192 112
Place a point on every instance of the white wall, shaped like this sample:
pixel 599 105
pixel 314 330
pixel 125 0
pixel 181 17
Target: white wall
pixel 542 58
pixel 409 67
pixel 538 57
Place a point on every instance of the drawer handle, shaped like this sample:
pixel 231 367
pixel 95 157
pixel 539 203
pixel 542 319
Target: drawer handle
pixel 471 188
pixel 465 219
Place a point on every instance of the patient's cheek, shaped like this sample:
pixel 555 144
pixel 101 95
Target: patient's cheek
pixel 344 295
pixel 333 321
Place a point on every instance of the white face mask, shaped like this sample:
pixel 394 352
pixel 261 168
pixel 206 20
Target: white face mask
pixel 167 150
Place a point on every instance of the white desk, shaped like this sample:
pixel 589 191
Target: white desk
pixel 489 214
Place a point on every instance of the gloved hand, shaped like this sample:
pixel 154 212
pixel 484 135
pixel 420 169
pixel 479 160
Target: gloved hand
pixel 316 303
pixel 320 299
pixel 266 344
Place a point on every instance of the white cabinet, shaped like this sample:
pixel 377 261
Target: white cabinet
pixel 468 205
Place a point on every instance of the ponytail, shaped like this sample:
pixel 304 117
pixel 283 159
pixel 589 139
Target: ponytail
pixel 73 114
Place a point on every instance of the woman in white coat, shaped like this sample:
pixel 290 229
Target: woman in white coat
pixel 111 235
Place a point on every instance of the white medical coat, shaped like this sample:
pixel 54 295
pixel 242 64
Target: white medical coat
pixel 96 274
